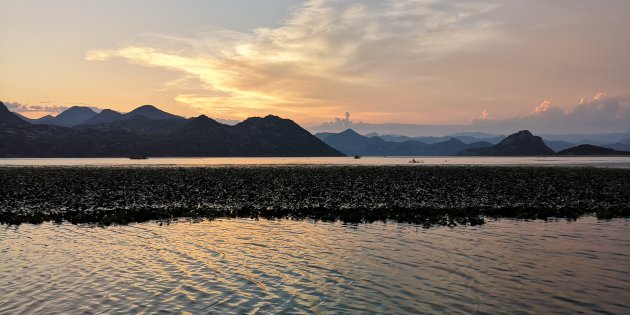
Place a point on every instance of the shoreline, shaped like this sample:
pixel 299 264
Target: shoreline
pixel 429 195
pixel 594 161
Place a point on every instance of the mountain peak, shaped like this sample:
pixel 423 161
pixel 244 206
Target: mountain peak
pixel 203 119
pixel 78 109
pixel 147 106
pixel 7 118
pixel 267 121
pixel 72 116
pixel 522 133
pixel 104 117
pixel 522 143
pixel 109 111
pixel 273 117
pixel 349 132
pixel 151 112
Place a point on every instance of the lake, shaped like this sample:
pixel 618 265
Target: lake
pixel 592 161
pixel 242 265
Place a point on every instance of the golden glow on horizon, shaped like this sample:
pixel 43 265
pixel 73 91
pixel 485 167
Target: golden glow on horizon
pixel 407 61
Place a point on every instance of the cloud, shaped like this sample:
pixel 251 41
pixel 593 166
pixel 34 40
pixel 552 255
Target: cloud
pixel 325 54
pixel 599 114
pixel 25 108
pixel 43 107
pixel 543 107
pixel 484 115
pixel 339 123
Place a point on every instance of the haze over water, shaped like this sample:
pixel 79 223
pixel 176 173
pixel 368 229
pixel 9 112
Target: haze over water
pixel 298 266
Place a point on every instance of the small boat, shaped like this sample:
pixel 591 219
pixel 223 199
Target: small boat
pixel 356 157
pixel 138 157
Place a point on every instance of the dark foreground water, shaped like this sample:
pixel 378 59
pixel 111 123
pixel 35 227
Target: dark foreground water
pixel 240 266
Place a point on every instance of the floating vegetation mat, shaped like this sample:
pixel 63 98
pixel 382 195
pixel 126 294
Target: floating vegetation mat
pixel 431 195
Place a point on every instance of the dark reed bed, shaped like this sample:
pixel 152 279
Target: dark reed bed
pixel 428 195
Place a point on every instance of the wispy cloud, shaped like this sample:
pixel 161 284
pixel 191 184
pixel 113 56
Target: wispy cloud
pixel 325 55
pixel 26 108
pixel 42 108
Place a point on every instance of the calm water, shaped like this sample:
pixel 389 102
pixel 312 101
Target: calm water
pixel 242 266
pixel 596 161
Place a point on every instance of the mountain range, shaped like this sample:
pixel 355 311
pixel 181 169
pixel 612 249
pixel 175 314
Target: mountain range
pixel 589 149
pixel 148 131
pixel 352 143
pixel 522 143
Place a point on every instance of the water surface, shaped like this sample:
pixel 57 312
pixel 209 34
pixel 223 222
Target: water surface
pixel 594 161
pixel 297 266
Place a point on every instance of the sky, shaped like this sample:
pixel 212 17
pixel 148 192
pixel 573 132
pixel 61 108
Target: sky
pixel 554 66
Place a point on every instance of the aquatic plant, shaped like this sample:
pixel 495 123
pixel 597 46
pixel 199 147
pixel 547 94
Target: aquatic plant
pixel 427 196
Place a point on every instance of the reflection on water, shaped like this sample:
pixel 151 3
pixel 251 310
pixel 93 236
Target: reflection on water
pixel 597 161
pixel 280 266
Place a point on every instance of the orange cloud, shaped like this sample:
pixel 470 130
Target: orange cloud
pixel 543 107
pixel 325 55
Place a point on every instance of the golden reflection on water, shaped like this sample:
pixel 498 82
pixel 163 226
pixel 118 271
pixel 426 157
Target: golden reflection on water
pixel 296 266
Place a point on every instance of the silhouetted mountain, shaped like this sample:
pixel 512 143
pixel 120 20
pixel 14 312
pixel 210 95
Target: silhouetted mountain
pixel 139 125
pixel 432 139
pixel 522 143
pixel 588 149
pixel 56 141
pixel 41 120
pixel 139 135
pixel 106 116
pixel 150 112
pixel 352 143
pixel 9 119
pixel 72 116
pixel 558 145
pixel 275 133
pixel 597 139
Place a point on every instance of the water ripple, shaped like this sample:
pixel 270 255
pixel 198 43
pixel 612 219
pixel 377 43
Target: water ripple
pixel 282 266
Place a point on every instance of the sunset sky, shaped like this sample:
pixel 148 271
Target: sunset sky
pixel 405 61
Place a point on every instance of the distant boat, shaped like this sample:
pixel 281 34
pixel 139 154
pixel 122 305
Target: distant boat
pixel 356 157
pixel 138 157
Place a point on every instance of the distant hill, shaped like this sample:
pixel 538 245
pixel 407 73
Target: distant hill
pixel 149 112
pixel 522 143
pixel 589 149
pixel 41 120
pixel 81 115
pixel 171 136
pixel 352 143
pixel 106 116
pixel 558 145
pixel 72 116
pixel 622 145
pixel 463 137
pixel 9 119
